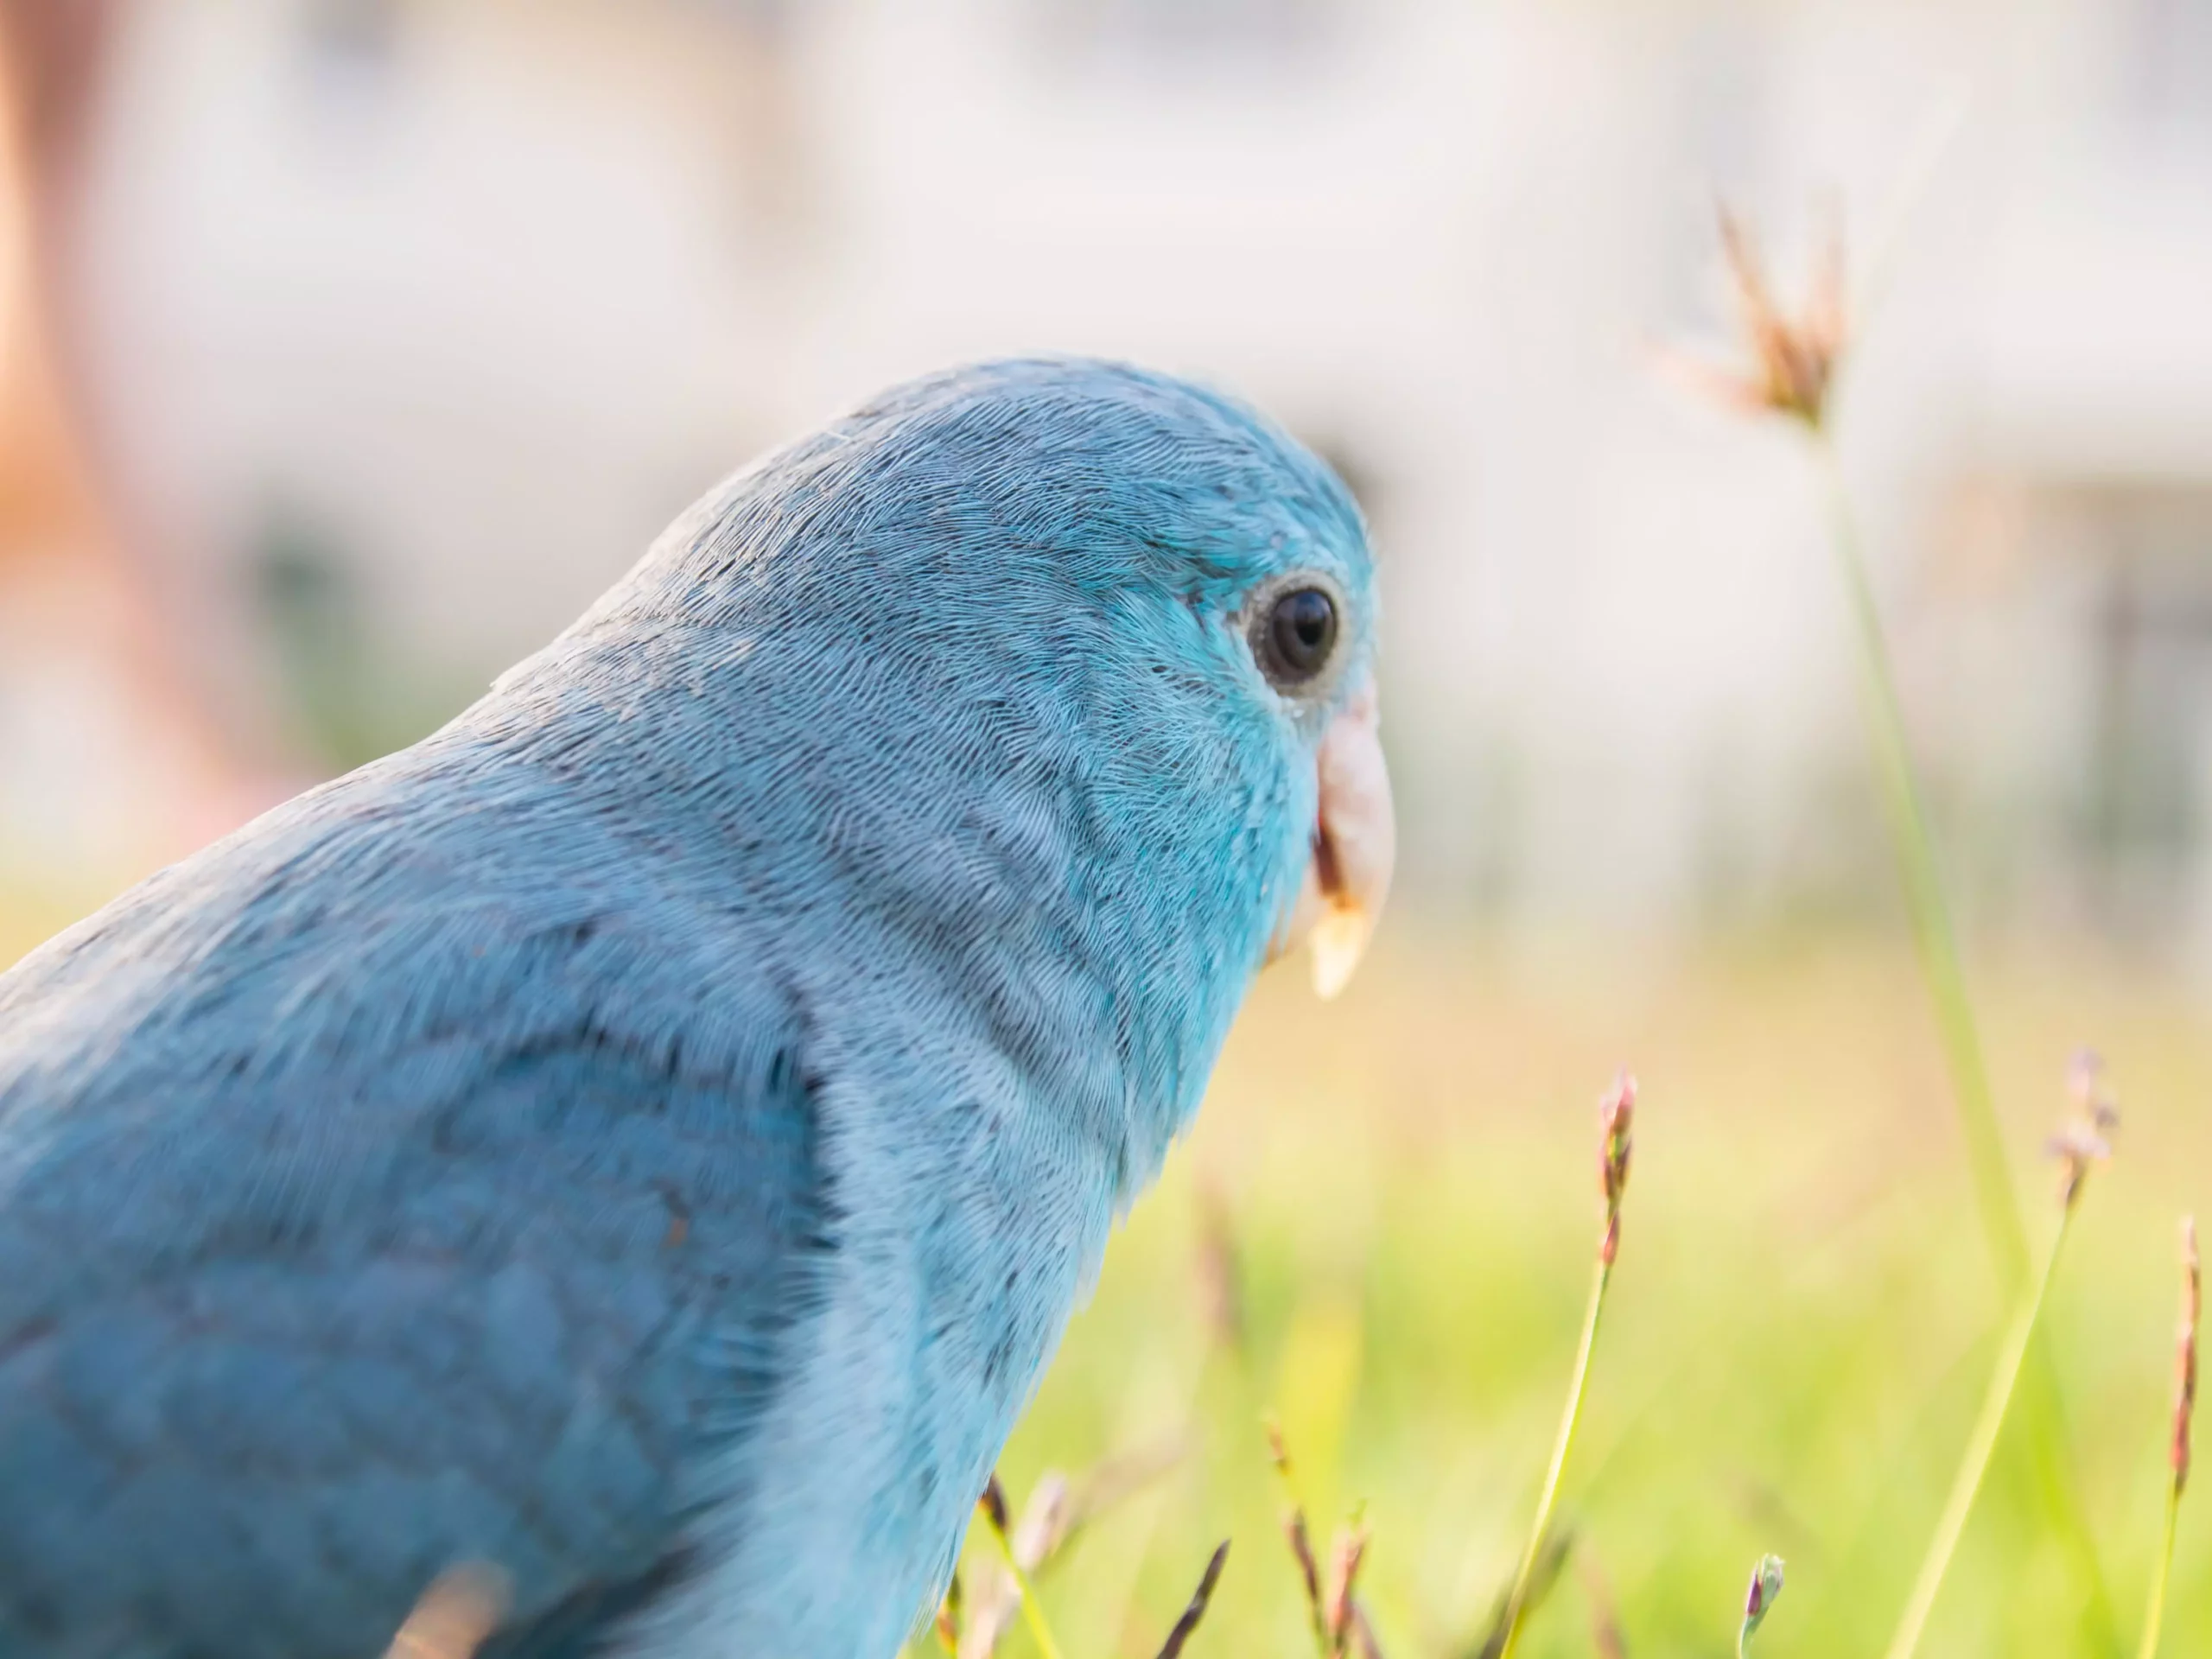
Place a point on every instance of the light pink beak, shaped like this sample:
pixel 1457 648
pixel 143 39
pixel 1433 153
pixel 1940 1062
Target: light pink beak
pixel 1355 848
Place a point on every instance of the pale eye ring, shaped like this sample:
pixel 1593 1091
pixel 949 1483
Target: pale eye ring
pixel 1295 635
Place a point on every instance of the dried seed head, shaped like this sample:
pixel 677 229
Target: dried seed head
pixel 993 1504
pixel 948 1617
pixel 1793 359
pixel 2091 1089
pixel 1200 1600
pixel 1616 1112
pixel 1766 1585
pixel 2086 1138
pixel 1344 1578
pixel 2192 1296
pixel 1309 1570
pixel 2077 1146
pixel 1296 1532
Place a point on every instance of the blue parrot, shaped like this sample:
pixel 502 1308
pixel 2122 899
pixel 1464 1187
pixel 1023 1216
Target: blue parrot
pixel 645 1140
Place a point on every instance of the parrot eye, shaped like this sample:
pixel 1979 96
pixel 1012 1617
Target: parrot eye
pixel 1296 635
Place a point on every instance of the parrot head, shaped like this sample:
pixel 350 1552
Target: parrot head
pixel 1261 543
pixel 1059 669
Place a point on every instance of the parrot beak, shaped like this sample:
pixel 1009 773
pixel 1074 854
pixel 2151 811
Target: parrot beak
pixel 1355 846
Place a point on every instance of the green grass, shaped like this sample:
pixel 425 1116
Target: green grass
pixel 1800 1330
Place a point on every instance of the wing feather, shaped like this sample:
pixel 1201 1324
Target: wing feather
pixel 306 1297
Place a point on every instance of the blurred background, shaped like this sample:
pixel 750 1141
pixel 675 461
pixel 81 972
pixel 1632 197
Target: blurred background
pixel 348 347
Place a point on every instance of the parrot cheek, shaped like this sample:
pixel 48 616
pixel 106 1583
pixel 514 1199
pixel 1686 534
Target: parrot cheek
pixel 1355 848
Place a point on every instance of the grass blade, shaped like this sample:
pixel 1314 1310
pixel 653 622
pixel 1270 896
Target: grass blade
pixel 1615 1116
pixel 2192 1287
pixel 2076 1147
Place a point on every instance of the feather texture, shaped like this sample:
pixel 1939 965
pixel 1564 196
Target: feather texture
pixel 648 1137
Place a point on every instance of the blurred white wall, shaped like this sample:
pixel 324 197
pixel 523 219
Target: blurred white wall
pixel 418 318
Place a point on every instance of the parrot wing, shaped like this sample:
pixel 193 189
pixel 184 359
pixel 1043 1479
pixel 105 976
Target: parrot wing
pixel 362 1217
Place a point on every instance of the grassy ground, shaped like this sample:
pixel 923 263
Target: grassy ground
pixel 1400 1189
pixel 1800 1332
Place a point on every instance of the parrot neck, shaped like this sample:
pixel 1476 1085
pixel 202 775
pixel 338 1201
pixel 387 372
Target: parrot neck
pixel 966 865
pixel 1014 958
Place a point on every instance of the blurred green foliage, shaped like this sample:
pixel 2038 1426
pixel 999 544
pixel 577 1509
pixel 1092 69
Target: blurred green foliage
pixel 1801 1328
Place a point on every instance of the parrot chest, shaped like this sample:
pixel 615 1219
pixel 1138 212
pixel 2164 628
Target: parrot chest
pixel 956 1260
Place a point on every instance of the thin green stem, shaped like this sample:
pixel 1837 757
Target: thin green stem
pixel 1974 1464
pixel 1937 946
pixel 1924 887
pixel 1032 1614
pixel 2156 1617
pixel 1516 1603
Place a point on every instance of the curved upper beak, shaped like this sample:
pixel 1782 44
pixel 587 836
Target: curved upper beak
pixel 1355 848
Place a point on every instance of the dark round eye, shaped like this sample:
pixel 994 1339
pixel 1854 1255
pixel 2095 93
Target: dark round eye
pixel 1297 636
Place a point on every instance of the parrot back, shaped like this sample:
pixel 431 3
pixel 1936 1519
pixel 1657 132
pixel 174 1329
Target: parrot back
pixel 372 1203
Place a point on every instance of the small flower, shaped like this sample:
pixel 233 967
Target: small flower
pixel 1766 1585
